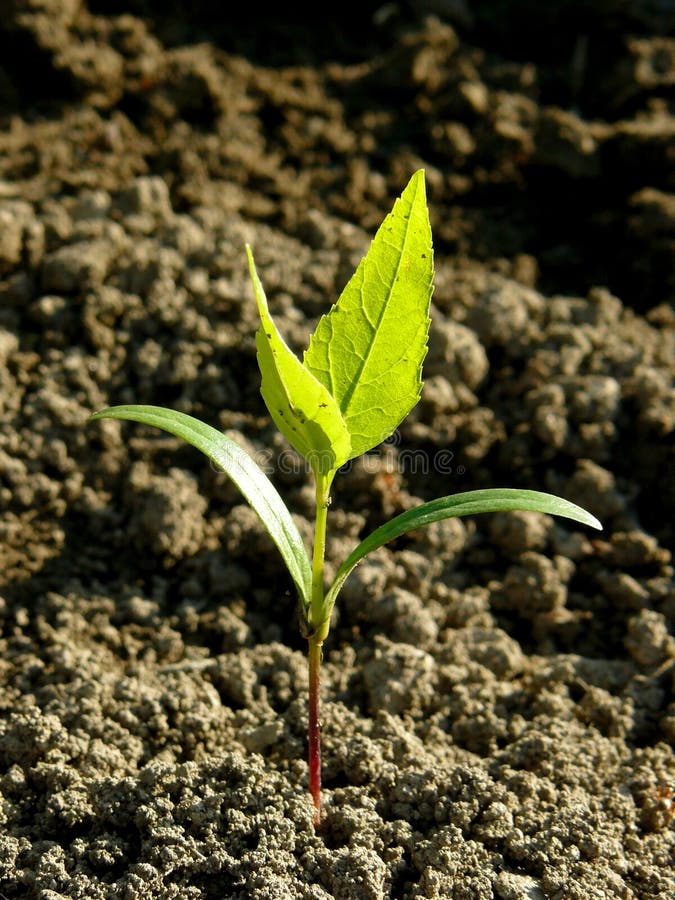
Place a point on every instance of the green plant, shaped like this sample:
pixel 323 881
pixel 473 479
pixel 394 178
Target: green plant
pixel 359 378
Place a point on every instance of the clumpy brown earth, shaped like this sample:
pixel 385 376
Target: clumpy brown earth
pixel 498 692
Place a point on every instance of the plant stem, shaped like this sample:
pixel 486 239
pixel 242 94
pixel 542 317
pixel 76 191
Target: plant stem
pixel 316 612
pixel 315 727
pixel 318 629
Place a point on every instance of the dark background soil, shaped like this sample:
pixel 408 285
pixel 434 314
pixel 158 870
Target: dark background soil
pixel 498 693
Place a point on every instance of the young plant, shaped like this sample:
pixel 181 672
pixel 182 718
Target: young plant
pixel 359 378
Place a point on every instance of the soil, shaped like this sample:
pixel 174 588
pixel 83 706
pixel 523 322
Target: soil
pixel 498 712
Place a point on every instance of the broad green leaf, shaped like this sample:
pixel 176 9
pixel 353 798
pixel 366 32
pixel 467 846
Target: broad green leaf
pixel 369 348
pixel 243 470
pixel 302 408
pixel 465 504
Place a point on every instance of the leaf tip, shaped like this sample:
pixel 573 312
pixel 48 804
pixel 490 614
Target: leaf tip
pixel 417 181
pixel 593 522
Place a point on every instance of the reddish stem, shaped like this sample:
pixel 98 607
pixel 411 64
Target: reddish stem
pixel 314 734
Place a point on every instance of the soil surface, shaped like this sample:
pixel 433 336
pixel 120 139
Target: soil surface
pixel 498 712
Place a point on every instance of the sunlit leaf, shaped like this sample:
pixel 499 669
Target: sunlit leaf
pixel 244 472
pixel 369 348
pixel 466 504
pixel 302 408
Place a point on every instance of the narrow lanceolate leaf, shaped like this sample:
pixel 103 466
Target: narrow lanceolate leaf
pixel 243 470
pixel 491 500
pixel 368 350
pixel 302 408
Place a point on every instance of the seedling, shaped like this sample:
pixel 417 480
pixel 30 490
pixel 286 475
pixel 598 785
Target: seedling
pixel 359 378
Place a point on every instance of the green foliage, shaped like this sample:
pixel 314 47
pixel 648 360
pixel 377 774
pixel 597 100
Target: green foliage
pixel 256 487
pixel 368 350
pixel 301 407
pixel 359 378
pixel 466 504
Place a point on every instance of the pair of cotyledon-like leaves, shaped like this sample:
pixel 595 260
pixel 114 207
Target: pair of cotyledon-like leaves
pixel 359 378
